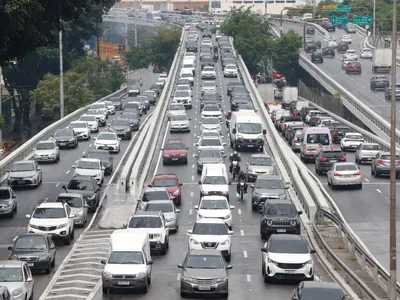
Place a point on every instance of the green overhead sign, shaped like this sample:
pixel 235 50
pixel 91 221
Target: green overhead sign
pixel 336 20
pixel 336 8
pixel 363 20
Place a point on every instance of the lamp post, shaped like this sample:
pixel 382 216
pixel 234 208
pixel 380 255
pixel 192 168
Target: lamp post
pixel 102 40
pixel 374 22
pixel 61 75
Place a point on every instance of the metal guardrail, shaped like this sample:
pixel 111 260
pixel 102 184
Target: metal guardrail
pixel 366 115
pixel 134 20
pixel 26 150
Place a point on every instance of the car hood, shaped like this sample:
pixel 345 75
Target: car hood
pixel 204 273
pixel 174 152
pixel 106 142
pixel 176 112
pixel 175 123
pixel 28 253
pixel 119 269
pixel 289 258
pixel 63 138
pixel 182 98
pixel 12 286
pixel 76 210
pixel 211 126
pixel 169 215
pixel 22 174
pixel 209 238
pixel 262 169
pixel 214 213
pixel 44 152
pixel 48 222
pixel 86 172
pixel 120 128
pixel 270 192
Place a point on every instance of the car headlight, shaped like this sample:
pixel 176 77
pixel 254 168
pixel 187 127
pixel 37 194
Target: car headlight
pixel 227 217
pixel 176 193
pixel 156 235
pixel 62 226
pixel 42 258
pixel 17 292
pixel 32 226
pixel 226 242
pixel 79 214
pixel 166 155
pixel 72 139
pixel 188 279
pixel 239 137
pixel 91 197
pixel 7 206
pixel 182 155
pixel 293 222
pixel 141 275
pixel 272 261
pixel 269 222
pixel 307 263
pixel 193 241
pixel 223 279
pixel 107 274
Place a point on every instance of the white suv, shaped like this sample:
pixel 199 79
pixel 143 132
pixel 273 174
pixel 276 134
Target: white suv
pixel 211 234
pixel 81 129
pixel 54 218
pixel 230 71
pixel 153 223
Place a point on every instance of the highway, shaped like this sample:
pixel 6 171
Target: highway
pixel 358 85
pixel 54 177
pixel 245 278
pixel 366 210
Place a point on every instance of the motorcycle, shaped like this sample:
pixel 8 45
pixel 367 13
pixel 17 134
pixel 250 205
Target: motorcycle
pixel 241 187
pixel 228 123
pixel 235 169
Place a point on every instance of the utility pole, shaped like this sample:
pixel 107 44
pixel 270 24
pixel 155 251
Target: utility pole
pixel 126 37
pixel 61 77
pixel 136 42
pixel 1 104
pixel 392 293
pixel 374 24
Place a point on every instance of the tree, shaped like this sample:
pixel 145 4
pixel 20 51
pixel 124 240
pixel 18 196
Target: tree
pixel 137 58
pixel 30 24
pixel 117 78
pixel 76 93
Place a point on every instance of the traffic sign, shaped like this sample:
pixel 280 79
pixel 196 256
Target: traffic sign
pixel 340 20
pixel 343 8
pixel 329 7
pixel 362 20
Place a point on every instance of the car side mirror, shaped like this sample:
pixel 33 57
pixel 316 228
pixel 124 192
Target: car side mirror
pixel 200 182
pixel 95 138
pixel 180 266
pixel 287 187
pixel 299 212
pixel 264 250
pixel 28 216
pixel 29 279
pixel 229 267
pixel 72 216
pixel 149 185
pixel 196 207
pixel 264 131
pixel 150 262
pixel 14 196
pixel 230 232
pixel 234 130
pixel 119 139
pixel 108 124
pixel 224 144
pixel 103 168
pixel 252 186
pixel 177 211
pixel 34 149
pixel 189 232
pixel 10 248
pixel 232 207
pixel 312 251
pixel 180 184
pixel 229 182
pixel 103 261
pixel 39 168
pixel 197 144
pixel 74 166
pixel 7 170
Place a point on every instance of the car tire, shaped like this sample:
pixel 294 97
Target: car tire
pixel 266 279
pixel 333 187
pixel 163 250
pixel 105 289
pixel 53 262
pixel 48 269
pixel 67 241
pixel 264 236
pixel 359 186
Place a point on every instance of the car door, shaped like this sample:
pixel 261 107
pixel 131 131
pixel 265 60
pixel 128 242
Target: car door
pixel 70 220
pixel 52 247
pixel 164 226
pixel 28 281
pixel 38 171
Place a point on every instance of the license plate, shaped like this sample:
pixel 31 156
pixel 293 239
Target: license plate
pixel 250 146
pixel 204 288
pixel 123 282
pixel 333 160
pixel 353 146
pixel 174 159
pixel 21 181
pixel 30 264
pixel 63 144
pixel 290 271
pixel 281 230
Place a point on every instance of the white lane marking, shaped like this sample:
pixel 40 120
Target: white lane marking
pixel 245 253
pixel 366 179
pixel 191 194
pixel 379 191
pixel 193 166
pixel 241 232
pixel 83 153
pixel 90 145
pixel 160 155
pixel 67 172
pixel 178 277
pixel 194 155
pixel 248 277
pixel 57 184
pixel 192 177
pixel 239 211
pixel 190 212
pixel 317 278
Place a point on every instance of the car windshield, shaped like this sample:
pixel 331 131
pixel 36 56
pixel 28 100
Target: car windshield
pixel 11 274
pixel 211 142
pixel 210 154
pixel 23 167
pixel 176 107
pixel 288 210
pixel 164 207
pixel 97 106
pixel 80 185
pixel 261 161
pixel 99 155
pixel 44 146
pixel 145 222
pixel 149 93
pixel 104 136
pixel 78 125
pixel 269 184
pixel 186 75
pixel 33 242
pixel 64 132
pixel 182 94
pixel 322 293
pixel 49 213
pixel 370 147
pixel 126 258
pixel 210 121
pixel 210 229
pixel 348 167
pixel 211 108
pixel 155 195
pixel 204 262
pixel 214 180
pixel 351 51
pixel 165 182
pixel 249 128
pixel 179 118
pixel 120 122
pixel 88 118
pixel 108 103
pixel 89 165
pixel 5 194
pixel 214 204
pixel 230 67
pixel 318 138
pixel 354 136
pixel 209 84
pixel 174 146
pixel 288 246
pixel 75 202
pixel 332 154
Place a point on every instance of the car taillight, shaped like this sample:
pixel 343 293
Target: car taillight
pixel 335 134
pixel 337 174
pixel 322 159
pixel 398 161
pixel 294 141
pixel 302 123
pixel 304 148
pixel 291 135
pixel 357 174
pixel 285 125
pixel 345 140
pixel 379 161
pixel 343 158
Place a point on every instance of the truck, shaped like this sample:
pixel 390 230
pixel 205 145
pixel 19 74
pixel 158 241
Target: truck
pixel 382 60
pixel 289 94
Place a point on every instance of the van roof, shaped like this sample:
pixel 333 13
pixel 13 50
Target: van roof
pixel 311 130
pixel 120 237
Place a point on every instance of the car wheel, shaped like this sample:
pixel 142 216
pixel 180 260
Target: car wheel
pixel 333 186
pixel 105 289
pixel 48 268
pixel 359 186
pixel 53 262
pixel 67 241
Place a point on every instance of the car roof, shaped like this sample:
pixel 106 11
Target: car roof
pixel 51 205
pixel 321 284
pixel 260 155
pixel 269 176
pixel 210 221
pixel 11 263
pixel 159 202
pixel 348 163
pixel 147 213
pixel 81 177
pixel 156 189
pixel 44 142
pixel 89 159
pixel 165 176
pixel 97 151
pixel 75 122
pixel 279 201
pixel 70 195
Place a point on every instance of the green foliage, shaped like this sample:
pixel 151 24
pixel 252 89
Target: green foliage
pixel 2 121
pixel 76 93
pixel 205 8
pixel 137 58
pixel 117 78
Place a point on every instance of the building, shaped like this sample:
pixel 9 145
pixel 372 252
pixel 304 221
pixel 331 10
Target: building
pixel 258 6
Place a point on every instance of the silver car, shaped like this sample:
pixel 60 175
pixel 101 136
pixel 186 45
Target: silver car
pixel 47 151
pixel 169 210
pixel 110 107
pixel 209 86
pixel 213 124
pixel 380 165
pixel 344 174
pixel 25 173
pixel 210 142
pixel 17 277
pixel 176 109
pixel 78 207
pixel 366 152
pixel 180 123
pixel 91 121
pixel 297 140
pixel 8 201
pixel 259 164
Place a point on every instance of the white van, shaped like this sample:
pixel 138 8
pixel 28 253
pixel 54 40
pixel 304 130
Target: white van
pixel 245 131
pixel 129 263
pixel 190 55
pixel 313 138
pixel 214 180
pixel 307 16
pixel 188 65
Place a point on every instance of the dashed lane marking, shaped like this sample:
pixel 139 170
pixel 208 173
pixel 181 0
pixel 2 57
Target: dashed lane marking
pixel 241 232
pixel 248 277
pixel 245 254
pixel 379 191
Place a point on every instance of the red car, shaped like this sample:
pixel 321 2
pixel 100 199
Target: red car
pixel 175 152
pixel 275 74
pixel 353 67
pixel 171 182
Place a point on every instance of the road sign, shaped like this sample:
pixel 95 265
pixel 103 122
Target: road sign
pixel 343 8
pixel 329 7
pixel 362 20
pixel 339 20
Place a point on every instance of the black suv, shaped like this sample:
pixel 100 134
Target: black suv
pixel 310 47
pixel 317 57
pixel 328 51
pixel 279 216
pixel 87 187
pixel 326 157
pixel 38 250
pixel 342 47
pixel 328 26
pixel 66 138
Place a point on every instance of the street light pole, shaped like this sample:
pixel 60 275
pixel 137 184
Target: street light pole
pixel 102 40
pixel 1 100
pixel 61 77
pixel 392 293
pixel 374 22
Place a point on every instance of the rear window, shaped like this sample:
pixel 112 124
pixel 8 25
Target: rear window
pixel 319 138
pixel 333 154
pixel 370 147
pixel 346 168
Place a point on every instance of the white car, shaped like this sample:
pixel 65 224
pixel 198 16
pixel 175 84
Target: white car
pixel 346 38
pixel 81 129
pixel 190 55
pixel 107 141
pixel 350 54
pixel 47 151
pixel 91 121
pixel 213 133
pixel 91 167
pixel 206 43
pixel 99 114
pixel 230 71
pixel 287 255
pixel 101 106
pixel 210 142
pixel 344 174
pixel 133 91
pixel 184 87
pixel 160 82
pixel 163 77
pixel 215 207
pixel 351 141
pixel 16 277
pixel 366 152
pixel 332 43
pixel 209 233
pixel 183 97
pixel 211 111
pixel 110 107
pixel 180 123
pixel 208 73
pixel 53 218
pixel 176 109
pixel 366 53
pixel 209 86
pixel 211 124
pixel 189 76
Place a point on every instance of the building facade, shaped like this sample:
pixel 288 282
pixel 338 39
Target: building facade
pixel 258 6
